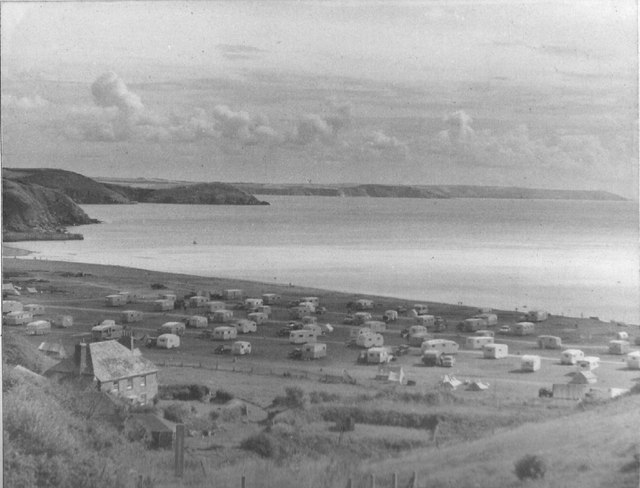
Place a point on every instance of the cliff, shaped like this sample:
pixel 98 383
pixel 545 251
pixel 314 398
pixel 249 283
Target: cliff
pixel 195 194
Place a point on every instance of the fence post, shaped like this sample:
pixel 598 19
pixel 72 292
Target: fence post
pixel 414 482
pixel 243 482
pixel 179 450
pixel 373 480
pixel 394 480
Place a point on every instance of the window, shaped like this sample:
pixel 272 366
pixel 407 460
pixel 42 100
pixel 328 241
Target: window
pixel 130 384
pixel 143 381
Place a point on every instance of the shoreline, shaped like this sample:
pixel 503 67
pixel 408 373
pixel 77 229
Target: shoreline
pixel 125 277
pixel 9 251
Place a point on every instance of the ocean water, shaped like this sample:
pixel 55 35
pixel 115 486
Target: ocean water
pixel 569 257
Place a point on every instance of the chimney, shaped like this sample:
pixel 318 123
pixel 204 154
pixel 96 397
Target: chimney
pixel 82 357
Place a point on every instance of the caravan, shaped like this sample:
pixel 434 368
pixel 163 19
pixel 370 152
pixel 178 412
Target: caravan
pixel 129 316
pixel 549 342
pixel 443 345
pixel 224 333
pixel 244 326
pixel 168 341
pixel 302 336
pixel 107 330
pixel 240 348
pixel 197 322
pixel 317 350
pixel 39 327
pixel 369 340
pixel 530 363
pixel 523 328
pixel 375 326
pixel 426 320
pixel 477 342
pixel 495 351
pixel 571 356
pixel 176 328
pixel 537 315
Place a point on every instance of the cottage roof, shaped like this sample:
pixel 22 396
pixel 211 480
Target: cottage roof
pixel 53 347
pixel 112 361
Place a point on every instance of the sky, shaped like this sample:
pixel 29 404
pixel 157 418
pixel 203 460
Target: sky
pixel 534 94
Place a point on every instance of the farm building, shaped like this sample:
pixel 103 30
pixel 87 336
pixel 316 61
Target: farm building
pixel 224 333
pixel 523 328
pixel 177 328
pixel 490 319
pixel 583 378
pixel 571 356
pixel 495 351
pixel 168 296
pixel 477 342
pixel 157 430
pixel 17 318
pixel 549 342
pixel 633 360
pixel 265 309
pixel 309 319
pixel 270 298
pixel 251 304
pixel 530 363
pixel 473 324
pixel 53 349
pixel 443 345
pixel 416 340
pixel 375 325
pixel 131 316
pixel 168 341
pixel 197 322
pixel 107 330
pixel 221 316
pixel 315 301
pixel 240 348
pixel 537 316
pixel 34 309
pixel 378 355
pixel 420 308
pixel 392 374
pixel 233 294
pixel 363 304
pixel 245 326
pixel 390 316
pixel 426 320
pixel 63 321
pixel 163 305
pixel 619 347
pixel 258 317
pixel 38 327
pixel 315 350
pixel 213 306
pixel 485 333
pixel 369 340
pixel 588 363
pixel 115 300
pixel 197 301
pixel 302 336
pixel 569 391
pixel 360 318
pixel 11 306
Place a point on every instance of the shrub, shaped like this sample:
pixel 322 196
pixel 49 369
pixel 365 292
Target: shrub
pixel 530 466
pixel 294 398
pixel 176 413
pixel 158 286
pixel 323 396
pixel 222 396
pixel 261 444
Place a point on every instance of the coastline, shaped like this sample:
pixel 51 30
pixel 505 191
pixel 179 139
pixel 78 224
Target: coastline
pixel 9 251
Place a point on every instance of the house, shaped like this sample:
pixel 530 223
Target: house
pixel 317 350
pixel 443 345
pixel 245 326
pixel 490 319
pixel 163 305
pixel 549 342
pixel 392 374
pixel 115 300
pixel 17 318
pixel 369 340
pixel 11 306
pixel 197 322
pixel 378 355
pixel 63 321
pixel 177 328
pixel 633 360
pixel 569 391
pixel 113 368
pixel 224 333
pixel 359 318
pixel 168 341
pixel 106 331
pixel 530 363
pixel 302 336
pixel 473 324
pixel 53 349
pixel 449 382
pixel 495 351
pixel 571 356
pixel 233 294
pixel 259 317
pixel 38 327
pixel 619 347
pixel 537 316
pixel 197 301
pixel 213 306
pixel 221 316
pixel 523 328
pixel 270 298
pixel 426 320
pixel 130 316
pixel 34 309
pixel 240 348
pixel 588 363
pixel 251 304
pixel 583 378
pixel 375 325
pixel 477 342
pixel 390 316
pixel 158 431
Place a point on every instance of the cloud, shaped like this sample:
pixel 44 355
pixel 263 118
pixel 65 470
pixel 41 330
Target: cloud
pixel 239 51
pixel 388 146
pixel 24 103
pixel 458 129
pixel 244 127
pixel 316 128
pixel 110 91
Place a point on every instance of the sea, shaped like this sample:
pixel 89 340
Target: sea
pixel 574 258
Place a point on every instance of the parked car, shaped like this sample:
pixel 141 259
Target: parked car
pixel 447 361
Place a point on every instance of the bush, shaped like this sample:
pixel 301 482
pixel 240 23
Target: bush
pixel 222 396
pixel 176 413
pixel 158 286
pixel 530 466
pixel 323 396
pixel 294 398
pixel 261 444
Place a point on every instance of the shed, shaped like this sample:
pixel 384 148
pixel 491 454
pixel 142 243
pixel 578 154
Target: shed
pixel 369 340
pixel 240 348
pixel 477 342
pixel 159 433
pixel 375 325
pixel 569 391
pixel 233 294
pixel 131 316
pixel 443 345
pixel 168 341
pixel 473 324
pixel 11 306
pixel 224 333
pixel 63 321
pixel 53 349
pixel 197 301
pixel 213 306
pixel 490 319
pixel 549 342
pixel 530 363
pixel 364 304
pixel 360 318
pixel 571 356
pixel 177 328
pixel 315 350
pixel 390 315
pixel 495 351
pixel 163 305
pixel 633 360
pixel 619 347
pixel 197 322
pixel 17 318
pixel 588 363
pixel 34 309
pixel 523 328
pixel 115 300
pixel 38 327
pixel 583 378
pixel 537 315
pixel 270 298
pixel 222 316
pixel 426 320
